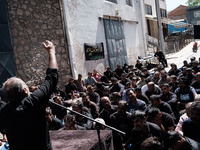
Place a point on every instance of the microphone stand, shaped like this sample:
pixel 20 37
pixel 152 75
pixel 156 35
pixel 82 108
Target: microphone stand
pixel 97 122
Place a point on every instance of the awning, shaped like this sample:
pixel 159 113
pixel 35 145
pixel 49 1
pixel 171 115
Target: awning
pixel 175 23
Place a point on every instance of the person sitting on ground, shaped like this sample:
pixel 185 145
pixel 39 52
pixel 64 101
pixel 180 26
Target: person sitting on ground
pixel 134 103
pixel 70 87
pixel 89 80
pixel 174 70
pixel 191 125
pixel 163 106
pixel 116 86
pixel 183 73
pixel 196 83
pixel 156 77
pixel 124 79
pixel 164 78
pixel 118 72
pixel 107 109
pixel 152 90
pixel 142 130
pixel 173 83
pixel 57 111
pixel 92 107
pixel 162 119
pixel 195 67
pixel 108 73
pixel 191 61
pixel 184 93
pixel 175 141
pixel 99 88
pixel 80 84
pixel 151 143
pixel 53 123
pixel 94 96
pixel 185 64
pixel 161 57
pixel 23 118
pixel 170 98
pixel 141 96
pixel 183 117
pixel 121 120
pixel 141 82
pixel 71 124
pixel 138 65
pixel 190 76
pixel 82 121
pixel 115 98
pixel 97 75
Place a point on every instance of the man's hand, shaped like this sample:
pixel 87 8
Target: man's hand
pixel 50 49
pixel 48 46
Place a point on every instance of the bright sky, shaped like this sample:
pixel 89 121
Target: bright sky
pixel 172 4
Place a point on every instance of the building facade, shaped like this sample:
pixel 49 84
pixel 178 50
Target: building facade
pixel 118 24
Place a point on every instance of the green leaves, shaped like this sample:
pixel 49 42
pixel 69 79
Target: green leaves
pixel 192 3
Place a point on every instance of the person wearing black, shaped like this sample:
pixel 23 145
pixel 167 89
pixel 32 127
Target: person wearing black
pixel 161 58
pixel 121 120
pixel 118 72
pixel 23 118
pixel 107 109
pixel 191 125
pixel 174 141
pixel 196 84
pixel 162 119
pixel 163 106
pixel 142 130
pixel 53 123
pixel 170 98
pixel 70 87
pixel 108 73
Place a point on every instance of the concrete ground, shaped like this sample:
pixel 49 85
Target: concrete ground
pixel 185 54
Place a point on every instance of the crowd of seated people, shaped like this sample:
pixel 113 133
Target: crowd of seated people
pixel 161 106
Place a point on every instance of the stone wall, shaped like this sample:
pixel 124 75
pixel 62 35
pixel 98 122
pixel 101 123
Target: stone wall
pixel 32 22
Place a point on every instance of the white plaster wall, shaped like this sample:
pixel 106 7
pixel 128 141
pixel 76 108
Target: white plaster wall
pixel 152 3
pixel 83 26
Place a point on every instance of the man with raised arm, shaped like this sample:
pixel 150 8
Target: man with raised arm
pixel 23 118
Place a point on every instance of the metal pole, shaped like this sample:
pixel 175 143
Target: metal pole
pixel 160 31
pixel 112 128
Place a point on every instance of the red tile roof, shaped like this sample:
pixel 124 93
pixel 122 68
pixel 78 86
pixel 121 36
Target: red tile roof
pixel 178 11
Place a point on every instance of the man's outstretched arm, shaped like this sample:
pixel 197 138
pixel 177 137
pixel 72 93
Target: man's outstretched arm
pixel 50 49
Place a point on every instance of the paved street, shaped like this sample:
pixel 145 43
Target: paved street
pixel 185 54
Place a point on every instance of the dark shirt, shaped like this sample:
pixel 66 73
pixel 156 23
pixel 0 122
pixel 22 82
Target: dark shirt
pixel 108 74
pixel 196 86
pixel 167 121
pixel 55 124
pixel 69 88
pixel 160 55
pixel 124 124
pixel 105 114
pixel 174 72
pixel 137 137
pixel 164 107
pixel 25 124
pixel 93 109
pixel 156 91
pixel 191 129
pixel 94 97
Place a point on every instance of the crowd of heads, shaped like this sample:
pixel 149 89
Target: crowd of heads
pixel 132 99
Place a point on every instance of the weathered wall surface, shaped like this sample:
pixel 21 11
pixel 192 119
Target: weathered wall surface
pixel 32 22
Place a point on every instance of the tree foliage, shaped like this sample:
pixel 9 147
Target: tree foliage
pixel 192 3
